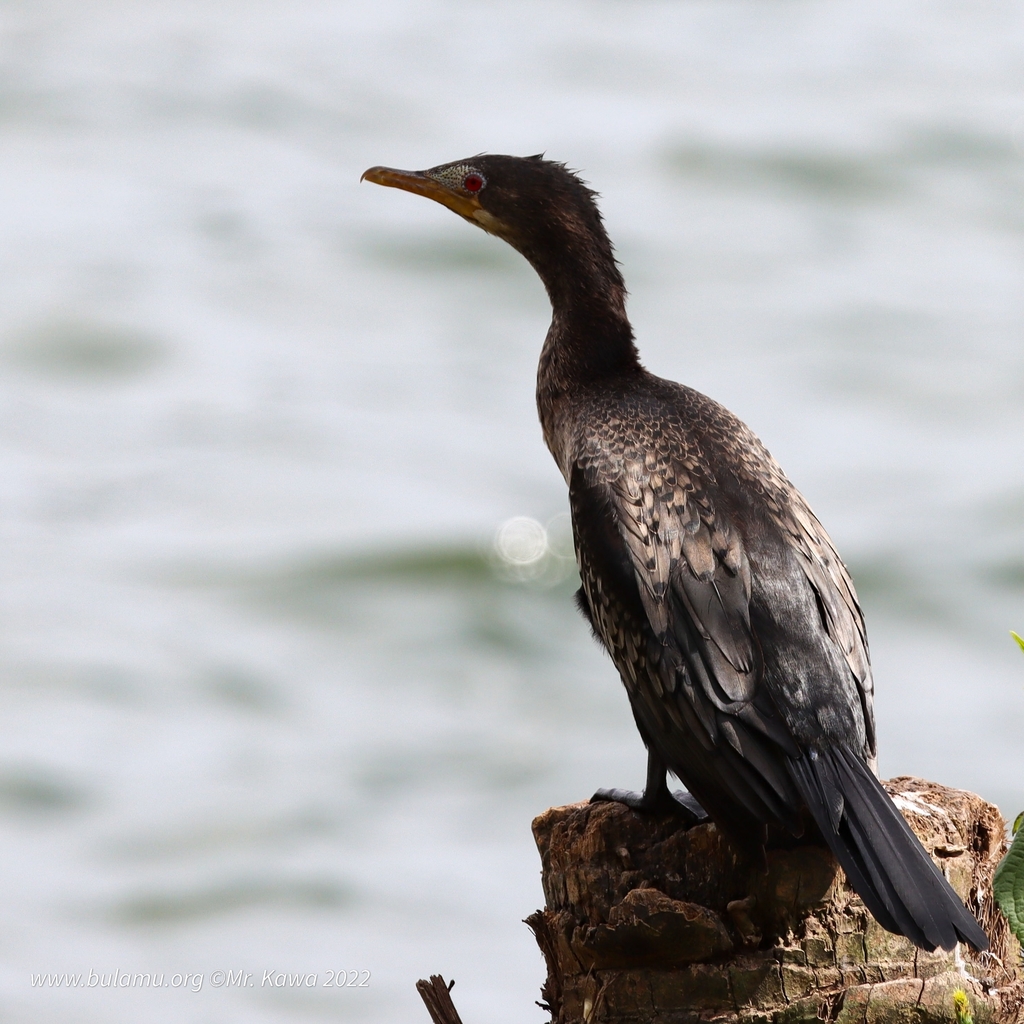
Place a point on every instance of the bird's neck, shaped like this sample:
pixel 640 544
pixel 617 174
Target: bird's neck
pixel 590 341
pixel 590 338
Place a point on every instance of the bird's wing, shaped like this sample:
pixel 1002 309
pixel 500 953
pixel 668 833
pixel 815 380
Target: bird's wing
pixel 702 669
pixel 840 611
pixel 693 574
pixel 686 558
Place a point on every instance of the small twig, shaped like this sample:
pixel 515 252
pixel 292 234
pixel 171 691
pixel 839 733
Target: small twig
pixel 436 994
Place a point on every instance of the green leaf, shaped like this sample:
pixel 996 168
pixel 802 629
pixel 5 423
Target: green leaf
pixel 1018 638
pixel 1008 885
pixel 1017 822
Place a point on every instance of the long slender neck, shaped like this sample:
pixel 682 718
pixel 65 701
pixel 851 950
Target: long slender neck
pixel 590 340
pixel 590 337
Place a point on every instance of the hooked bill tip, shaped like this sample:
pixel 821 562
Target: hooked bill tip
pixel 380 175
pixel 396 178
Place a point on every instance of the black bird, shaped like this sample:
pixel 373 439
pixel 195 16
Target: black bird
pixel 719 596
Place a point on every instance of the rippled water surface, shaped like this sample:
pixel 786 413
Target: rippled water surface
pixel 269 701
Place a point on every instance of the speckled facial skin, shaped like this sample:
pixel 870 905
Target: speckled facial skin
pixel 454 175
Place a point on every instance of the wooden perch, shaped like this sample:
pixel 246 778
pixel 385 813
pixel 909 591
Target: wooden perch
pixel 648 922
pixel 438 998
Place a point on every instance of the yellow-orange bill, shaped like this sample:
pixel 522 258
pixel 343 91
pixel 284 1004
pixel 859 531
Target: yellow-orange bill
pixel 420 184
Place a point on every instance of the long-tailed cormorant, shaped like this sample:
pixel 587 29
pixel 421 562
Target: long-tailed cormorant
pixel 727 611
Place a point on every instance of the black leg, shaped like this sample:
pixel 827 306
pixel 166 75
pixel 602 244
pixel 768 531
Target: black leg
pixel 656 797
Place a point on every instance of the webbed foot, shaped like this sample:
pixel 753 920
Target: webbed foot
pixel 656 798
pixel 661 801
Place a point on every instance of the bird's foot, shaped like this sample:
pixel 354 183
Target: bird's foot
pixel 661 801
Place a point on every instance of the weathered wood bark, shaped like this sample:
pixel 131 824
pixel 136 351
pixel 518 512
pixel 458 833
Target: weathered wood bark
pixel 437 998
pixel 647 921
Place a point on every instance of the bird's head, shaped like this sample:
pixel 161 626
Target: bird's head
pixel 535 205
pixel 549 214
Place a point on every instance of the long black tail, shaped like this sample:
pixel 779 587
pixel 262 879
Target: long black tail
pixel 883 859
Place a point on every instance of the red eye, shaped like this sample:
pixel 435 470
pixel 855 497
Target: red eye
pixel 472 183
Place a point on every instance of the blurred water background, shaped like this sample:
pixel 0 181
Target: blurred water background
pixel 269 699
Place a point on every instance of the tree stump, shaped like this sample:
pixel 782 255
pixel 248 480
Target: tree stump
pixel 649 921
